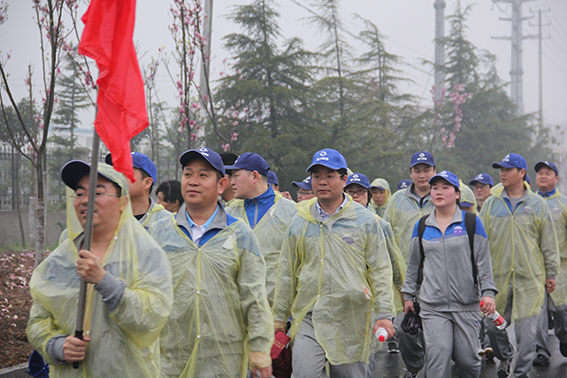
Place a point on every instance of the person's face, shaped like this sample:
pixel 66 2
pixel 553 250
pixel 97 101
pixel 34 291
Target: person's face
pixel 108 205
pixel 200 185
pixel 481 191
pixel 243 183
pixel 138 188
pixel 358 194
pixel 443 194
pixel 304 195
pixel 327 183
pixel 420 175
pixel 379 196
pixel 546 179
pixel 172 207
pixel 511 176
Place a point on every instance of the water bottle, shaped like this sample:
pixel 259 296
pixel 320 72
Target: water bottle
pixel 381 334
pixel 496 318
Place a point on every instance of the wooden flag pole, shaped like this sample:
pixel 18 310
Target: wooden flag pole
pixel 88 235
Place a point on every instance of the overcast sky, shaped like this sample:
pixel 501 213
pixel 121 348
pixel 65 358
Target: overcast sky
pixel 408 24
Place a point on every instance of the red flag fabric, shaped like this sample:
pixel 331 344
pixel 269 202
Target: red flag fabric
pixel 121 114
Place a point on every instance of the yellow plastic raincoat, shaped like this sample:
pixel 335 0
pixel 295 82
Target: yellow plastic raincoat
pixel 339 270
pixel 558 205
pixel 220 312
pixel 523 248
pixel 270 232
pixel 398 262
pixel 380 210
pixel 155 213
pixel 124 341
pixel 467 195
pixel 403 212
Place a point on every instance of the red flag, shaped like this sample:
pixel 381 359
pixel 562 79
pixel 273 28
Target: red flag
pixel 107 38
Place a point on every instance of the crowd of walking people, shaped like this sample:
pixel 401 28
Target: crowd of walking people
pixel 208 280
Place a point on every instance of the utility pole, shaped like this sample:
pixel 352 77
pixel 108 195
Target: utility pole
pixel 206 65
pixel 540 61
pixel 517 70
pixel 439 48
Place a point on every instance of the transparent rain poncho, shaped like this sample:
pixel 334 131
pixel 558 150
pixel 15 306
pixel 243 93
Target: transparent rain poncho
pixel 340 271
pixel 381 210
pixel 220 312
pixel 270 232
pixel 398 262
pixel 523 249
pixel 467 195
pixel 402 214
pixel 124 341
pixel 155 213
pixel 558 206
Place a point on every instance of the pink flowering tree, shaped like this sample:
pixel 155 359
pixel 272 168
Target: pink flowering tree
pixel 50 17
pixel 448 113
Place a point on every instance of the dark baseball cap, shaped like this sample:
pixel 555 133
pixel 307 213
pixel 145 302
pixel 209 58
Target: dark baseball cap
pixel 512 161
pixel 547 164
pixel 212 157
pixel 483 178
pixel 251 162
pixel 140 161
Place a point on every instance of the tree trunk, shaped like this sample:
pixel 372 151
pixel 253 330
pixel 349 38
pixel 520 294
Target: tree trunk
pixel 40 208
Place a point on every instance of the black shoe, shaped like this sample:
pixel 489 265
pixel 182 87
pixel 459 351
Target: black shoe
pixel 541 360
pixel 563 349
pixel 505 368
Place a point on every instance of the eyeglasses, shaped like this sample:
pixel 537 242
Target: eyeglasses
pixel 80 196
pixel 328 177
pixel 304 193
pixel 352 192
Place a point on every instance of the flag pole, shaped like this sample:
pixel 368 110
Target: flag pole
pixel 93 175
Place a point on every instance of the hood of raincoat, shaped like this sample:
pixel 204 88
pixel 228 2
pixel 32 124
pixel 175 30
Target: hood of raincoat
pixel 124 339
pixel 383 184
pixel 467 195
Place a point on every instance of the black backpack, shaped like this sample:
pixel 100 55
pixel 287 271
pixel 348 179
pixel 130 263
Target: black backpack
pixel 470 224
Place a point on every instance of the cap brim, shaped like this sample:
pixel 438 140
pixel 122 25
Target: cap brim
pixel 502 165
pixel 434 179
pixel 379 187
pixel 542 164
pixel 422 162
pixel 73 171
pixel 301 185
pixel 330 166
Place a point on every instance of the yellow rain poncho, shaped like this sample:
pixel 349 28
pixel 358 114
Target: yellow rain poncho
pixel 339 270
pixel 155 213
pixel 380 210
pixel 124 341
pixel 558 205
pixel 467 195
pixel 402 214
pixel 270 232
pixel 220 312
pixel 523 248
pixel 398 262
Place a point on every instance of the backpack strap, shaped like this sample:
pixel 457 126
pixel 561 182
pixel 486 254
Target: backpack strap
pixel 470 225
pixel 420 231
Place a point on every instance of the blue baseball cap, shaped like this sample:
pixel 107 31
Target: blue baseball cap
pixel 512 161
pixel 422 157
pixel 528 179
pixel 212 157
pixel 403 184
pixel 73 171
pixel 358 178
pixel 140 161
pixel 272 178
pixel 328 158
pixel 251 162
pixel 483 178
pixel 450 177
pixel 305 184
pixel 547 164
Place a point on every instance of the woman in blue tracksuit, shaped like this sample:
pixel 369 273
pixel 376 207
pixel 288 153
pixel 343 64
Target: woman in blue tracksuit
pixel 449 294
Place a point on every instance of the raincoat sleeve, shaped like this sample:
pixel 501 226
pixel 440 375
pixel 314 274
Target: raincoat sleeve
pixel 483 261
pixel 253 298
pixel 146 303
pixel 548 244
pixel 396 258
pixel 411 286
pixel 287 277
pixel 379 271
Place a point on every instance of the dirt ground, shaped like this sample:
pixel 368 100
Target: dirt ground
pixel 15 303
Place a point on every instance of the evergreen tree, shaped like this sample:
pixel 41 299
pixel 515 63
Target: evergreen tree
pixel 263 103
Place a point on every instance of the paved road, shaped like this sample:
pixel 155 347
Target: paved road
pixel 391 366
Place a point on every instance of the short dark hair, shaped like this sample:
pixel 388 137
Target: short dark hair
pixel 228 158
pixel 171 191
pixel 144 175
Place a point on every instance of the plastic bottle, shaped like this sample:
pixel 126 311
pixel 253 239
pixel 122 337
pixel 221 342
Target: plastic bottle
pixel 496 318
pixel 381 334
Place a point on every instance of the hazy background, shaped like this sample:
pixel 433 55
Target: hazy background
pixel 408 24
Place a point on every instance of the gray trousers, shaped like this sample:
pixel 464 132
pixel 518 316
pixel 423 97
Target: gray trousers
pixel 451 335
pixel 412 348
pixel 309 359
pixel 560 319
pixel 525 330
